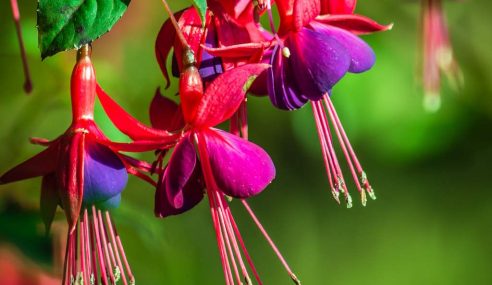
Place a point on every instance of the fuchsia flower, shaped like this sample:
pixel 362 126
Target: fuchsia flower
pixel 226 25
pixel 84 173
pixel 207 160
pixel 316 45
pixel 437 54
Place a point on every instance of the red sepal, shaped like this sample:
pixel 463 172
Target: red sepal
pixel 128 124
pixel 141 145
pixel 224 95
pixel 230 33
pixel 250 50
pixel 295 14
pixel 71 171
pixel 163 44
pixel 41 164
pixel 165 114
pixel 338 6
pixel 356 24
pixel 49 200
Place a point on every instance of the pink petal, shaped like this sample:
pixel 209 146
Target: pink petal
pixel 241 169
pixel 356 24
pixel 192 194
pixel 224 95
pixel 179 171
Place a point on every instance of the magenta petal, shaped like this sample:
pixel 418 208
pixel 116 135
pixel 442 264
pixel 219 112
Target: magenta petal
pixel 282 90
pixel 192 194
pixel 179 171
pixel 319 61
pixel 241 168
pixel 361 54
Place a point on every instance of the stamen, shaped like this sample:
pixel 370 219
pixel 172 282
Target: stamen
pixel 119 250
pixel 25 65
pixel 328 161
pixel 270 241
pixel 104 246
pixel 352 157
pixel 95 234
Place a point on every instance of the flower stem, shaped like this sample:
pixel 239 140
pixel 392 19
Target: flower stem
pixel 180 35
pixel 27 74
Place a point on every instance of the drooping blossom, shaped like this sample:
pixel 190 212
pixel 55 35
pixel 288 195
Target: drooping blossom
pixel 437 54
pixel 226 23
pixel 25 66
pixel 207 160
pixel 83 173
pixel 316 44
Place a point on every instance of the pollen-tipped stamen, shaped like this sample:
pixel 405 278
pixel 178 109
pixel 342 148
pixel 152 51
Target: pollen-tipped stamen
pixel 228 236
pixel 91 257
pixel 25 65
pixel 335 175
pixel 352 160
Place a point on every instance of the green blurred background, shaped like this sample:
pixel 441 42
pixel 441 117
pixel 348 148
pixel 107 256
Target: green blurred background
pixel 431 223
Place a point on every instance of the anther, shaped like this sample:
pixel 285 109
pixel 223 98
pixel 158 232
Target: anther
pixel 370 191
pixel 295 279
pixel 117 274
pixel 363 197
pixel 336 194
pixel 80 279
pixel 248 280
pixel 286 52
pixel 348 198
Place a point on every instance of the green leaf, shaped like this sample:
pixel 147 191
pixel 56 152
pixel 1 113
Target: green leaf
pixel 70 24
pixel 201 7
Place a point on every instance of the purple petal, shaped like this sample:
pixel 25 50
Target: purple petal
pixel 361 54
pixel 210 66
pixel 281 86
pixel 105 175
pixel 111 203
pixel 241 168
pixel 319 61
pixel 192 194
pixel 179 171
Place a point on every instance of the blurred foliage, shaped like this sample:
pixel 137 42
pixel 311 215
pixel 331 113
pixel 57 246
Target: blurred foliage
pixel 431 224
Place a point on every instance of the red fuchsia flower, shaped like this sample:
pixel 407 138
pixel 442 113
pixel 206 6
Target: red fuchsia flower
pixel 25 66
pixel 437 54
pixel 226 23
pixel 207 160
pixel 316 45
pixel 84 173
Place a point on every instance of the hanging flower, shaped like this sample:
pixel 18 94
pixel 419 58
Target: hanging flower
pixel 316 45
pixel 84 173
pixel 437 54
pixel 207 160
